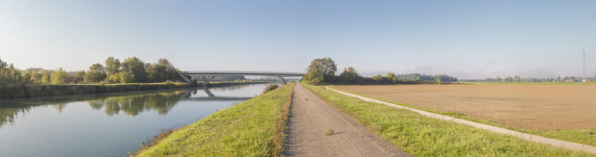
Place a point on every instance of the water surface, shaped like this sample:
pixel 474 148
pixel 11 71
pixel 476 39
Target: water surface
pixel 105 124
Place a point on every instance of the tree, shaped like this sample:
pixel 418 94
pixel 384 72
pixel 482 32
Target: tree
pixel 378 78
pixel 96 73
pixel 517 78
pixel 121 77
pixel 80 75
pixel 322 70
pixel 171 72
pixel 350 76
pixel 156 73
pixel 112 65
pixel 135 67
pixel 391 78
pixel 59 77
pixel 45 78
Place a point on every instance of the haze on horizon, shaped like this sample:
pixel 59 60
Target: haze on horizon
pixel 466 39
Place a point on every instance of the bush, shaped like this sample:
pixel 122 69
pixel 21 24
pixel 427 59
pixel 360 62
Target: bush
pixel 270 87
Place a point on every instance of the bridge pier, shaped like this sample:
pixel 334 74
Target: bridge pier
pixel 184 77
pixel 282 79
pixel 209 78
pixel 209 93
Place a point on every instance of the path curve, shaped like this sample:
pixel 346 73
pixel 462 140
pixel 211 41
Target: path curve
pixel 525 136
pixel 310 117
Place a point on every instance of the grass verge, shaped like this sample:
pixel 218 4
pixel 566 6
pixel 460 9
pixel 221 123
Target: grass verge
pixel 583 136
pixel 255 127
pixel 424 136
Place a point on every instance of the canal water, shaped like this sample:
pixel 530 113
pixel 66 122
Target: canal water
pixel 106 124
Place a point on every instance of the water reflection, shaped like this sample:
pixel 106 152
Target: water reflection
pixel 130 103
pixel 135 104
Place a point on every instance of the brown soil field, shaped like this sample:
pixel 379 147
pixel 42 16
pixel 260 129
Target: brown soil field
pixel 544 107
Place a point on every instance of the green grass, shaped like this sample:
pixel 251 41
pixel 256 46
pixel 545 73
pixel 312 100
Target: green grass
pixel 423 136
pixel 255 127
pixel 528 83
pixel 583 136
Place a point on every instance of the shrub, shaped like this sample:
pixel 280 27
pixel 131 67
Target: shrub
pixel 270 87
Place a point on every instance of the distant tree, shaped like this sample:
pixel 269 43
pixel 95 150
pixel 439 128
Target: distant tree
pixel 96 73
pixel 156 73
pixel 516 78
pixel 136 67
pixel 391 78
pixel 80 75
pixel 121 77
pixel 378 78
pixel 45 78
pixel 112 65
pixel 126 77
pixel 350 76
pixel 3 65
pixel 59 77
pixel 322 70
pixel 27 78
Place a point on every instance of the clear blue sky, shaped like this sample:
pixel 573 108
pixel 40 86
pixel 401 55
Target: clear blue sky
pixel 466 39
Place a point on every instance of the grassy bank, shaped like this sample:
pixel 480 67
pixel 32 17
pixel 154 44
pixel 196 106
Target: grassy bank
pixel 423 136
pixel 65 89
pixel 255 127
pixel 583 136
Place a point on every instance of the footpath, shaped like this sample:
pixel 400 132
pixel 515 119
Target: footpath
pixel 311 118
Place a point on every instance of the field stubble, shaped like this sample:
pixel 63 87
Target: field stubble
pixel 544 107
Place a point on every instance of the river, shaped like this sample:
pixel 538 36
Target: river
pixel 106 124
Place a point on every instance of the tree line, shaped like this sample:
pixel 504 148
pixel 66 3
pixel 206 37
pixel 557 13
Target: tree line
pixel 322 71
pixel 529 79
pixel 131 70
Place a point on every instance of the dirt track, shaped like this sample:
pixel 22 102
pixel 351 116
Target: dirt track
pixel 520 106
pixel 310 117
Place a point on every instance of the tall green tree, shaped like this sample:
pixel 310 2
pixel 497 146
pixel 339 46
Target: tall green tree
pixel 161 71
pixel 112 65
pixel 171 72
pixel 322 70
pixel 136 67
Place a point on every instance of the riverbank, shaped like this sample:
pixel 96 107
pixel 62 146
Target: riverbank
pixel 66 89
pixel 424 136
pixel 255 127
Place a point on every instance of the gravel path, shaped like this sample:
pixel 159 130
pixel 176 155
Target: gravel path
pixel 311 117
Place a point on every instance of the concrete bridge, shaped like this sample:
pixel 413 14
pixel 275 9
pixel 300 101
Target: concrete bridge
pixel 211 74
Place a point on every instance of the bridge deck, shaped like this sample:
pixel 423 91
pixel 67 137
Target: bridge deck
pixel 253 73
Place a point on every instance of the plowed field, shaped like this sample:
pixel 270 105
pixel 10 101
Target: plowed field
pixel 520 106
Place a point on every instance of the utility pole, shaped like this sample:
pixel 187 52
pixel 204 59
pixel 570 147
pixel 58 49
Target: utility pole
pixel 584 66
